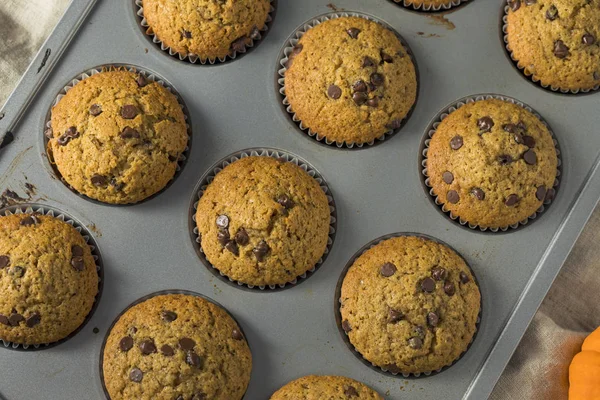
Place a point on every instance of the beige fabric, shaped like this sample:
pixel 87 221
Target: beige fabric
pixel 537 371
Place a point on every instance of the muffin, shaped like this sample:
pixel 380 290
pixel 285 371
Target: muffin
pixel 48 279
pixel 208 29
pixel 325 387
pixel 492 163
pixel 364 86
pixel 409 305
pixel 176 346
pixel 263 221
pixel 116 137
pixel 556 41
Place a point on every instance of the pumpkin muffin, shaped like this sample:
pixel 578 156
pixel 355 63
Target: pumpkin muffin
pixel 409 305
pixel 263 221
pixel 364 86
pixel 556 41
pixel 207 28
pixel 325 387
pixel 492 163
pixel 116 137
pixel 48 279
pixel 179 347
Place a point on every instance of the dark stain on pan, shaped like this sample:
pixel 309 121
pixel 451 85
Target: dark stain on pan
pixel 45 59
pixel 10 198
pixel 333 7
pixel 30 189
pixel 8 139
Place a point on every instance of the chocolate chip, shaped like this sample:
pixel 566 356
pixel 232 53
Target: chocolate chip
pixel 49 133
pixel 464 278
pixel 392 368
pixel 377 79
pixel 560 49
pixel 511 200
pixel 186 34
pixel 285 201
pixel 521 125
pixel 372 87
pixel 540 193
pixel 66 137
pixel 168 316
pixel 350 391
pixel 166 350
pixel 255 33
pixel 147 347
pixel 367 62
pixel 132 330
pixel 239 45
pixel 510 128
pixel 518 138
pixel 334 92
pixel 126 343
pixel 15 319
pixel 550 193
pixel 427 285
pixel 173 158
pixel 514 4
pixel 236 334
pixel 95 110
pixel 478 193
pixel 241 237
pixel 193 359
pixel 223 237
pixel 394 124
pixel 530 157
pixel 394 316
pixel 77 263
pixel 452 196
pixel 505 159
pixel 449 288
pixel 529 141
pixel 485 124
pixel 186 343
pixel 136 375
pixel 439 273
pixel 448 177
pixel 359 86
pixel 76 251
pixel 232 247
pixel 4 320
pixel 118 186
pixel 199 396
pixel 98 180
pixel 129 112
pixel 374 102
pixel 141 80
pixel 28 221
pixel 388 269
pixel 129 133
pixel 17 271
pixel 222 221
pixel 596 76
pixel 359 98
pixel 353 32
pixel 456 142
pixel 588 39
pixel 346 326
pixel 415 342
pixel 552 13
pixel 33 320
pixel 433 319
pixel 4 261
pixel 385 57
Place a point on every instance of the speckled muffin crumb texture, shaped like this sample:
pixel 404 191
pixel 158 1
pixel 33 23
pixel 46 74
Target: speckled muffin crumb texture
pixel 263 221
pixel 325 387
pixel 207 28
pixel 410 305
pixel 116 137
pixel 176 347
pixel 492 163
pixel 350 80
pixel 48 279
pixel 556 41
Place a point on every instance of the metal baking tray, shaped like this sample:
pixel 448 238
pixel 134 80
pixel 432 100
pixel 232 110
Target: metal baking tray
pixel 146 247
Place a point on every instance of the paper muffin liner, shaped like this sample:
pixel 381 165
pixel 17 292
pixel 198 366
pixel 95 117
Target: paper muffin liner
pixel 150 77
pixel 208 177
pixel 194 58
pixel 282 61
pixel 430 7
pixel 147 297
pixel 338 302
pixel 33 208
pixel 522 68
pixel 439 204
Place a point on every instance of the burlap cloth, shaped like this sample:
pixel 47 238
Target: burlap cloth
pixel 539 367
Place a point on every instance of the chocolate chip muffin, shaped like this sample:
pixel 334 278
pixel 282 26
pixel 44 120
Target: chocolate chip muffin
pixel 116 137
pixel 176 346
pixel 206 28
pixel 350 80
pixel 409 305
pixel 556 41
pixel 325 387
pixel 263 221
pixel 48 279
pixel 492 163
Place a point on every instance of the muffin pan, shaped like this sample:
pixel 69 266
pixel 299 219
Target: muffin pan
pixel 147 247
